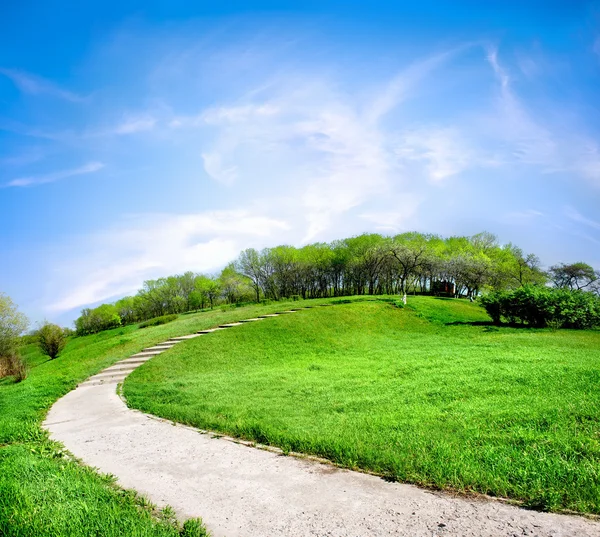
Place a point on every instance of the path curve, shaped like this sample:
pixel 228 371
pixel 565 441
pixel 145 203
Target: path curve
pixel 240 491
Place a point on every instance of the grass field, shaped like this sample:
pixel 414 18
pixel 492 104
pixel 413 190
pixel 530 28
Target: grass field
pixel 427 394
pixel 42 492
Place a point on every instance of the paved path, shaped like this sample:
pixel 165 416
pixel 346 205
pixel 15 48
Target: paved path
pixel 244 491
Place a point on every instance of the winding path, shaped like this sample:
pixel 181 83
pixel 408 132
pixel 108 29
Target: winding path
pixel 242 491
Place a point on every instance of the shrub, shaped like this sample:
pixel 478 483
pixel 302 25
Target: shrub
pixel 542 306
pixel 51 340
pixel 13 365
pixel 163 319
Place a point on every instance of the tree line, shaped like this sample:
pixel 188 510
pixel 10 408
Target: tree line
pixel 369 264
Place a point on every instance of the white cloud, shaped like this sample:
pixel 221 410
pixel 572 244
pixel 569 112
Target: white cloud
pixel 135 124
pixel 117 261
pixel 330 147
pixel 213 166
pixel 528 140
pixel 400 87
pixel 443 151
pixel 91 167
pixel 238 114
pixel 35 85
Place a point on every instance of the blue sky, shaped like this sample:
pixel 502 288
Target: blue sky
pixel 138 141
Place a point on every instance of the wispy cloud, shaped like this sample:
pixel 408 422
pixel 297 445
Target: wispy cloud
pixel 443 151
pixel 523 216
pixel 132 125
pixel 576 216
pixel 117 261
pixel 529 140
pixel 333 146
pixel 24 157
pixel 91 167
pixel 36 85
pixel 399 88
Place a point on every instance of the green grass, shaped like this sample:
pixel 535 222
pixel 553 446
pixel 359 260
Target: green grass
pixel 411 394
pixel 44 492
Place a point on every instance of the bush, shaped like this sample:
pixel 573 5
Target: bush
pixel 13 366
pixel 51 340
pixel 542 306
pixel 163 319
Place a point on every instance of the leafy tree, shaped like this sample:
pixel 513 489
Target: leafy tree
pixel 12 324
pixel 51 339
pixel 249 265
pixel 235 287
pixel 574 276
pixel 95 320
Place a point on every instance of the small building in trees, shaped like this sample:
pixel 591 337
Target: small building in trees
pixel 443 288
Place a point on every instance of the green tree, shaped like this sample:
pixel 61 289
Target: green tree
pixel 248 264
pixel 574 276
pixel 51 339
pixel 12 324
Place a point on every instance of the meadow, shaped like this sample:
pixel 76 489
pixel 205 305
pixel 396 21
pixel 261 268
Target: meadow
pixel 430 394
pixel 43 491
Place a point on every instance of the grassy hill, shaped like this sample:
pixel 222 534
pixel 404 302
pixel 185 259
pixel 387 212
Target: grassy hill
pixel 42 490
pixel 427 394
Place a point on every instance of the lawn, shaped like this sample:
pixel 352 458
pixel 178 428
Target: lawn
pixel 427 394
pixel 42 490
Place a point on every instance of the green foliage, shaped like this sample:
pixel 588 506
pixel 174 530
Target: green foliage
pixel 369 264
pixel 163 319
pixel 573 276
pixel 12 324
pixel 95 320
pixel 422 394
pixel 544 306
pixel 194 527
pixel 51 339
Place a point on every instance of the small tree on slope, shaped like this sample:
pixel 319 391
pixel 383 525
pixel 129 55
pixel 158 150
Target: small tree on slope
pixel 52 340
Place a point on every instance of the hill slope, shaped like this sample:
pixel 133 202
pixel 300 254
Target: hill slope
pixel 409 393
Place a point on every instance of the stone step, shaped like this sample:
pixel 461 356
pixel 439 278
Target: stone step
pixel 112 374
pixel 209 330
pixel 160 347
pixel 90 382
pixel 268 315
pixel 183 338
pixel 149 354
pixel 250 320
pixel 141 360
pixel 229 325
pixel 121 367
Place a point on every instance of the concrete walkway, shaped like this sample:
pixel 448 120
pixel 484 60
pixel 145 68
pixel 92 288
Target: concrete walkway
pixel 243 491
